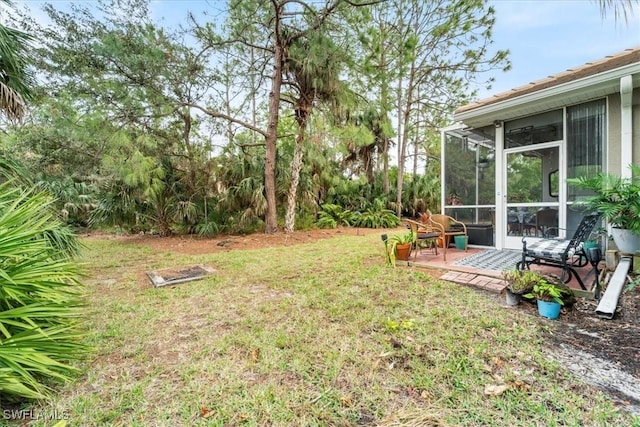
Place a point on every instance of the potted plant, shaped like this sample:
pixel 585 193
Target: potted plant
pixel 549 298
pixel 399 246
pixel 519 283
pixel 618 200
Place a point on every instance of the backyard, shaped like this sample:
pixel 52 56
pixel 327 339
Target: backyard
pixel 309 328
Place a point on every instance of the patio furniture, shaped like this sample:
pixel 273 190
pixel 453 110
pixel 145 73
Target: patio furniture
pixel 561 253
pixel 480 234
pixel 547 222
pixel 450 227
pixel 425 232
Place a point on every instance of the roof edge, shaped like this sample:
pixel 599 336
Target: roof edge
pixel 609 63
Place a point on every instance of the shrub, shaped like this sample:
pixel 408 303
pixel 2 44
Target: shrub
pixel 377 216
pixel 40 295
pixel 333 215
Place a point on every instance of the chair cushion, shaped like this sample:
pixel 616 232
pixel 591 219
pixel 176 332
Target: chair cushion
pixel 551 248
pixel 428 235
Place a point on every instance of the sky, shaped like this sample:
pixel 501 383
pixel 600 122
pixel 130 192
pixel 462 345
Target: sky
pixel 544 37
pixel 547 37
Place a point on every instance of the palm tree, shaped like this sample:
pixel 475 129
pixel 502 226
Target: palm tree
pixel 620 8
pixel 40 295
pixel 311 69
pixel 15 80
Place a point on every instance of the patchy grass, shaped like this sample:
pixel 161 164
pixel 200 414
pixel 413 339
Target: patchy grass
pixel 315 334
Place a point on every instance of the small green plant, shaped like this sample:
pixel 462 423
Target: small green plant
pixel 392 242
pixel 521 282
pixel 616 198
pixel 331 216
pixel 376 216
pixel 546 291
pixel 395 325
pixel 635 282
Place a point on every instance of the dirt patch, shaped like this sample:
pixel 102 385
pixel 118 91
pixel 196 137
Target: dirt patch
pixel 194 245
pixel 605 353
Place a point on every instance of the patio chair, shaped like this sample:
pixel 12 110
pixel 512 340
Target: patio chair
pixel 425 232
pixel 450 227
pixel 561 253
pixel 546 222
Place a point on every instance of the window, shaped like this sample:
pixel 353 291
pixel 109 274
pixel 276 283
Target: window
pixel 586 133
pixel 545 127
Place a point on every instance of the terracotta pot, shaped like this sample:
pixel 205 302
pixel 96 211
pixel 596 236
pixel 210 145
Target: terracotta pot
pixel 403 252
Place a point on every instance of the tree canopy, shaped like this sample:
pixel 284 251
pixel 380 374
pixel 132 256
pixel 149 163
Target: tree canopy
pixel 251 120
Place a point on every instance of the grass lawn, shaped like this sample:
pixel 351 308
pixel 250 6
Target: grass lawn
pixel 314 334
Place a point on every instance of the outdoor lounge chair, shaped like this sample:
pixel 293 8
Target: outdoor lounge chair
pixel 451 227
pixel 565 254
pixel 425 232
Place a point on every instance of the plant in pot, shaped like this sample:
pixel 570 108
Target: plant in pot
pixel 618 200
pixel 399 246
pixel 549 298
pixel 519 283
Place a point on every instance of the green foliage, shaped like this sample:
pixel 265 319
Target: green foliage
pixel 333 215
pixel 633 283
pixel 75 201
pixel 376 216
pixel 393 241
pixel 40 296
pixel 15 79
pixel 521 281
pixel 546 291
pixel 399 325
pixel 616 198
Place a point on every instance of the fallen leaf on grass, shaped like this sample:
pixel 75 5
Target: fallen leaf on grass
pixel 207 413
pixel 346 402
pixel 520 385
pixel 495 390
pixel 497 362
pixel 255 354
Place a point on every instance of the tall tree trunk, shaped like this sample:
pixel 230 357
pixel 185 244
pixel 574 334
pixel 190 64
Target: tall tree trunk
pixel 302 114
pixel 404 140
pixel 416 139
pixel 292 195
pixel 186 138
pixel 400 156
pixel 270 140
pixel 384 104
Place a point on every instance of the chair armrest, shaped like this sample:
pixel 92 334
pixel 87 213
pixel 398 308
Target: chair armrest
pixel 459 223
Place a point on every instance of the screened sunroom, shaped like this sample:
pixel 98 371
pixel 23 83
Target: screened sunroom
pixel 507 158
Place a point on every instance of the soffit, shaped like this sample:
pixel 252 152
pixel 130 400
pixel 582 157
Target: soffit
pixel 590 81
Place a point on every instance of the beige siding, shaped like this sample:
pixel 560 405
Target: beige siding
pixel 613 134
pixel 614 162
pixel 635 138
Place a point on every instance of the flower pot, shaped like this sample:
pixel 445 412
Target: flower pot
pixel 549 309
pixel 626 241
pixel 461 242
pixel 403 252
pixel 512 298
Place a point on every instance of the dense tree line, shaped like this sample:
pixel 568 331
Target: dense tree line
pixel 253 119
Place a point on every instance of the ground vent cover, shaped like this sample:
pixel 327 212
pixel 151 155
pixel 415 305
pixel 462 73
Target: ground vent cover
pixel 176 275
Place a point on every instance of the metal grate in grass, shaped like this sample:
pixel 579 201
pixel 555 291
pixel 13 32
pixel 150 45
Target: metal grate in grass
pixel 176 275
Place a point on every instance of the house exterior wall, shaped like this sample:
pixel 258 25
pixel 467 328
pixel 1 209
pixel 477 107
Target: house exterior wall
pixel 636 126
pixel 614 135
